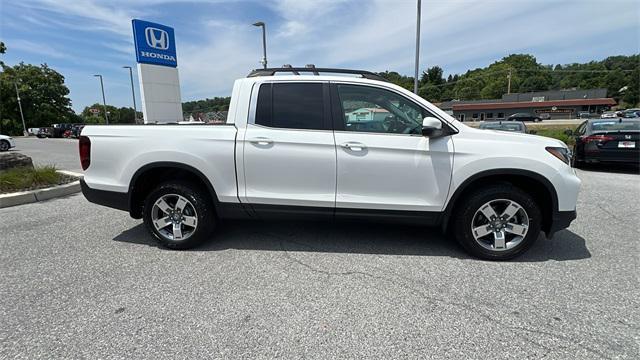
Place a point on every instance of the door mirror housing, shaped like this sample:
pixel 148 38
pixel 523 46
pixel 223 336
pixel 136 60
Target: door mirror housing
pixel 568 132
pixel 431 127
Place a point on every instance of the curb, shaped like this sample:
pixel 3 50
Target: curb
pixel 27 197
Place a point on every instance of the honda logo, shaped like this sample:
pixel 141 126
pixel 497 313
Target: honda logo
pixel 157 38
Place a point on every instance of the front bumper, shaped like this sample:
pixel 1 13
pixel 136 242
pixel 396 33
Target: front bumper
pixel 561 220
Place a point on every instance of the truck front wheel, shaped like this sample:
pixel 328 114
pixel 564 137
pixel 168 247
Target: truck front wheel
pixel 179 215
pixel 497 222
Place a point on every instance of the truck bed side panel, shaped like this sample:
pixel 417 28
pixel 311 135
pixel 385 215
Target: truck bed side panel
pixel 117 152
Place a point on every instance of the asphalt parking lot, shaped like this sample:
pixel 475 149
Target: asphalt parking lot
pixel 62 153
pixel 83 281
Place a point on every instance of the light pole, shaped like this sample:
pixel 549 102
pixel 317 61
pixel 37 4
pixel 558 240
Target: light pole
pixel 264 43
pixel 415 80
pixel 133 93
pixel 24 127
pixel 104 102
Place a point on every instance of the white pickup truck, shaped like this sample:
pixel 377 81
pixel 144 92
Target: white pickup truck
pixel 346 144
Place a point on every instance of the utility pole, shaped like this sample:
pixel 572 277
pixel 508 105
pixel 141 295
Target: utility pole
pixel 104 102
pixel 264 42
pixel 415 79
pixel 133 93
pixel 24 127
pixel 509 83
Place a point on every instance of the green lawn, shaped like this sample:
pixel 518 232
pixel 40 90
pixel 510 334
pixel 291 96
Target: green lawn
pixel 25 178
pixel 556 132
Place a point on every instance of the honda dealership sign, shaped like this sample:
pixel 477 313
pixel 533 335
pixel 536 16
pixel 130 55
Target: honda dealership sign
pixel 155 43
pixel 157 72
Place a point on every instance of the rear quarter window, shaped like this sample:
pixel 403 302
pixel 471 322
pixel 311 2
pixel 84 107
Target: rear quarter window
pixel 290 106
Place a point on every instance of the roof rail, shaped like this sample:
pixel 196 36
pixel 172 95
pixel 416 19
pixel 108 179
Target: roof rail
pixel 314 70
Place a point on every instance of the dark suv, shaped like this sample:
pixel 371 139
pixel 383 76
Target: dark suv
pixel 524 117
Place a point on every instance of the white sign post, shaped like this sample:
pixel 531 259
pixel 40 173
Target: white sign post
pixel 157 72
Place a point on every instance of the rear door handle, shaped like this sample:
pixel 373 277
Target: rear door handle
pixel 261 141
pixel 354 146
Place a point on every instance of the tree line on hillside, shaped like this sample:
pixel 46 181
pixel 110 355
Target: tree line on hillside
pixel 206 105
pixel 620 75
pixel 45 100
pixel 94 114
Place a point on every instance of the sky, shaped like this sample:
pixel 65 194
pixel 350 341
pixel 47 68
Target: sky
pixel 216 43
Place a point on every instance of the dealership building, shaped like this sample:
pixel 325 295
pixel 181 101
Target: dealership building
pixel 560 104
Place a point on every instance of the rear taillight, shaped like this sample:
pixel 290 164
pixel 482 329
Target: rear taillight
pixel 85 152
pixel 598 138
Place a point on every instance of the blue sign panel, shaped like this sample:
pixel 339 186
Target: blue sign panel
pixel 155 43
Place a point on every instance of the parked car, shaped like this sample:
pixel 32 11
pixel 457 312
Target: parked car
pixel 514 126
pixel 584 115
pixel 545 116
pixel 608 115
pixel 607 141
pixel 6 143
pixel 631 113
pixel 45 132
pixel 76 130
pixel 524 117
pixel 291 147
pixel 60 129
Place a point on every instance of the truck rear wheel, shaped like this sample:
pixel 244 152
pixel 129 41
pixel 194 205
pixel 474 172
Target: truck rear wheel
pixel 498 222
pixel 179 215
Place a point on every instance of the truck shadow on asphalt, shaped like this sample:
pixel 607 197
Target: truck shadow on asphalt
pixel 358 238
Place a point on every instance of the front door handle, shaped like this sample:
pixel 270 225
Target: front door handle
pixel 354 146
pixel 261 141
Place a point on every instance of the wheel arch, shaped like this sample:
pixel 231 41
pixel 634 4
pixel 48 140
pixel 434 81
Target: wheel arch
pixel 535 184
pixel 152 174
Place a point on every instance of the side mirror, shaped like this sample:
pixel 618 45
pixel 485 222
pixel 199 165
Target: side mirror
pixel 431 127
pixel 568 132
pixel 533 132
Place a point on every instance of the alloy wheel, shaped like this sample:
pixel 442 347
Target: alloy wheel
pixel 174 217
pixel 500 225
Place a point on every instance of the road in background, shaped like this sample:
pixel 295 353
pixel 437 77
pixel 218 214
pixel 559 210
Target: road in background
pixel 570 123
pixel 63 153
pixel 84 281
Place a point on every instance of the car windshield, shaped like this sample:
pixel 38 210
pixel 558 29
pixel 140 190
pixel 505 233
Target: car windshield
pixel 503 126
pixel 616 126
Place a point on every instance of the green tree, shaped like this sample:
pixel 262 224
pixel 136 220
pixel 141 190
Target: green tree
pixel 400 80
pixel 43 94
pixel 632 93
pixel 94 114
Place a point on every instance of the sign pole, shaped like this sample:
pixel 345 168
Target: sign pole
pixel 24 127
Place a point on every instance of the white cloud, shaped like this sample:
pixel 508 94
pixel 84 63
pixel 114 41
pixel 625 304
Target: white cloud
pixel 43 49
pixel 374 35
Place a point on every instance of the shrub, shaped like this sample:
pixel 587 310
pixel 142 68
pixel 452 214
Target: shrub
pixel 25 178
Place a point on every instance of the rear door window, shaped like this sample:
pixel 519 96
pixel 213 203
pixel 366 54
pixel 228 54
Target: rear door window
pixel 291 106
pixel 615 126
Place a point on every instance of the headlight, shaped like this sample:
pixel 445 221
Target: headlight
pixel 561 153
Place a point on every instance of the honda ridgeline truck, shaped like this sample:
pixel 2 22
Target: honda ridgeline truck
pixel 346 144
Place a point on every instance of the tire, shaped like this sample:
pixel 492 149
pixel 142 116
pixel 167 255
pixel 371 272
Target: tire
pixel 196 219
pixel 575 163
pixel 500 198
pixel 4 145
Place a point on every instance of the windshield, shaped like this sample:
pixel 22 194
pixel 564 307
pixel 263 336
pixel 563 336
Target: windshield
pixel 616 126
